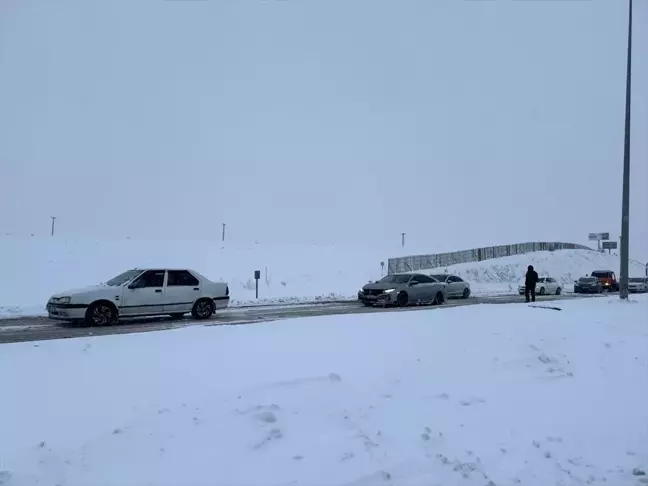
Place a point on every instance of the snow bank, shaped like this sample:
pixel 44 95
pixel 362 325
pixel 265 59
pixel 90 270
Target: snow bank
pixel 502 275
pixel 35 268
pixel 490 394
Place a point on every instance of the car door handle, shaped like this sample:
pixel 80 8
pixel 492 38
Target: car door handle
pixel 157 291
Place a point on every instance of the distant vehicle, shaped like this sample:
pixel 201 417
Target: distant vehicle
pixel 141 292
pixel 638 284
pixel 545 286
pixel 608 279
pixel 403 289
pixel 588 285
pixel 456 286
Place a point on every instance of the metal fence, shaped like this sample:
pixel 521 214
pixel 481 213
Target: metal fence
pixel 414 263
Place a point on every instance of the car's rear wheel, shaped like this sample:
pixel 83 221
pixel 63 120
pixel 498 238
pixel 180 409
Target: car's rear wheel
pixel 438 299
pixel 178 315
pixel 203 309
pixel 101 313
pixel 402 300
pixel 558 291
pixel 466 293
pixel 542 291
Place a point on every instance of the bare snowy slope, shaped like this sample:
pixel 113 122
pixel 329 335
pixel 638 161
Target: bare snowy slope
pixel 503 274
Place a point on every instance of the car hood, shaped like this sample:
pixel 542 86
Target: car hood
pixel 381 286
pixel 82 290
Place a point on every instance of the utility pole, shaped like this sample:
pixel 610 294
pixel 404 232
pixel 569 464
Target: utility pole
pixel 625 204
pixel 53 221
pixel 403 240
pixel 224 232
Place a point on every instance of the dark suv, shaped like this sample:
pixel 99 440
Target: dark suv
pixel 608 279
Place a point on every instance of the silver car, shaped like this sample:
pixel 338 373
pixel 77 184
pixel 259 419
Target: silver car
pixel 403 289
pixel 456 286
pixel 638 284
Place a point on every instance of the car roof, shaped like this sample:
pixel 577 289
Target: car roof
pixel 145 269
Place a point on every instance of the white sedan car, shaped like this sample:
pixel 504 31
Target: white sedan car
pixel 638 284
pixel 456 286
pixel 545 286
pixel 141 292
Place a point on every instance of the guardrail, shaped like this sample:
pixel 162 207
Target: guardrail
pixel 414 263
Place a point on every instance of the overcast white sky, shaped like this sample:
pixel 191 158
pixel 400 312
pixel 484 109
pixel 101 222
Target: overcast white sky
pixel 321 120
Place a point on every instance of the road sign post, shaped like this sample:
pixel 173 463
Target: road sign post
pixel 598 237
pixel 382 268
pixel 257 276
pixel 609 246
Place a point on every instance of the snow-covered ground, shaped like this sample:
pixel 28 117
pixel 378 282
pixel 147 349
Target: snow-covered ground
pixel 502 275
pixel 35 268
pixel 479 395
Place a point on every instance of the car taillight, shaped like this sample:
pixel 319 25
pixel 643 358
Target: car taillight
pixel 226 290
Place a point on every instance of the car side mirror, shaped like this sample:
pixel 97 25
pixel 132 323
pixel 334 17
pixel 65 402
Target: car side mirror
pixel 413 282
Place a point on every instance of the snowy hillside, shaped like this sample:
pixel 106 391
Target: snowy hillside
pixel 502 275
pixel 34 268
pixel 479 395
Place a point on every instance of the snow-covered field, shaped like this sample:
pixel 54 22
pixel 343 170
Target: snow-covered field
pixel 35 268
pixel 502 275
pixel 483 395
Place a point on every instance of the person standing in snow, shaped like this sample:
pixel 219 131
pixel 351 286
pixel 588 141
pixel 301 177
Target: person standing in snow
pixel 530 281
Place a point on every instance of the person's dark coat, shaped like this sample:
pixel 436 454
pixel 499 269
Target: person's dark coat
pixel 531 278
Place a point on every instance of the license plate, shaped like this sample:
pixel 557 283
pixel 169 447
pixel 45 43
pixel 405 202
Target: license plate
pixel 371 297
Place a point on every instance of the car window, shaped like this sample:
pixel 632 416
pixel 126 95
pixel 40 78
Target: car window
pixel 424 279
pixel 439 277
pixel 541 279
pixel 122 278
pixel 149 279
pixel 457 279
pixel 397 279
pixel 601 274
pixel 181 278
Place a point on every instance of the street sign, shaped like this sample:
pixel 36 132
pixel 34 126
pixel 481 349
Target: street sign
pixel 599 236
pixel 609 245
pixel 257 276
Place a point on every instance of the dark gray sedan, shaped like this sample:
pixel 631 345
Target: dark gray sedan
pixel 588 285
pixel 403 289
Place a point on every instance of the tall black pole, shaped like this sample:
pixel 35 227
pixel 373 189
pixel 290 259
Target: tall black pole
pixel 625 204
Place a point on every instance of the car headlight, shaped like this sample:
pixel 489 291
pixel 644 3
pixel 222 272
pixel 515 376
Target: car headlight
pixel 60 300
pixel 388 290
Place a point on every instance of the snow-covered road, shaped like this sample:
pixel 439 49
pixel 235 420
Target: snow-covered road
pixel 470 395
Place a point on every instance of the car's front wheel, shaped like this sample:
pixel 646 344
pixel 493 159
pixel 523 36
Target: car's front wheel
pixel 101 313
pixel 466 293
pixel 558 291
pixel 542 291
pixel 438 299
pixel 203 309
pixel 402 300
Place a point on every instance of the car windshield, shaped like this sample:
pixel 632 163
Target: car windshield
pixel 601 274
pixel 638 279
pixel 122 278
pixel 588 279
pixel 396 279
